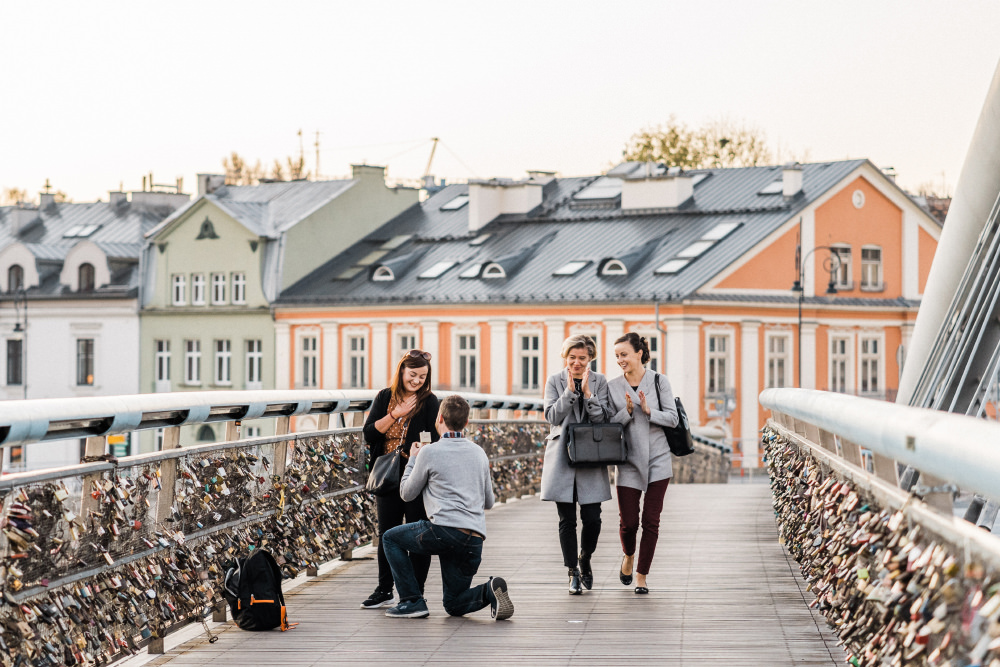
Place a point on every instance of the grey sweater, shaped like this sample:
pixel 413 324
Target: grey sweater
pixel 454 476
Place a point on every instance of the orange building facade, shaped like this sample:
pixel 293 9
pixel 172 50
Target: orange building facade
pixel 704 269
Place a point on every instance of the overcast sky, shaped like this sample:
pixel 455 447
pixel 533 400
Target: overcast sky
pixel 100 93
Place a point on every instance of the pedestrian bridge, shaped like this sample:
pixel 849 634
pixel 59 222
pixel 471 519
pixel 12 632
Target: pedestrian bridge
pixel 121 559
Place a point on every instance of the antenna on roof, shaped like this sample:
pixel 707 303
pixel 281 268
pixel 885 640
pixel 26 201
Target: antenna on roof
pixel 302 150
pixel 317 155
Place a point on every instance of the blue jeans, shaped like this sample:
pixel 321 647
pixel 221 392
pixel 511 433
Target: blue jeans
pixel 460 555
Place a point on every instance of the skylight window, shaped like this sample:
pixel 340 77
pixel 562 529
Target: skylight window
pixel 349 273
pixel 480 240
pixel 371 258
pixel 671 267
pixel 438 269
pixel 603 188
pixel 80 231
pixel 773 188
pixel 571 268
pixel 456 203
pixel 696 249
pixel 472 271
pixel 698 178
pixel 720 231
pixel 396 241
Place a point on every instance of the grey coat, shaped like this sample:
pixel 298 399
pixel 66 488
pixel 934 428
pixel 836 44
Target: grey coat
pixel 649 458
pixel 563 406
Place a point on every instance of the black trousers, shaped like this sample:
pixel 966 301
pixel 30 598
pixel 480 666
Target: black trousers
pixel 590 516
pixel 391 511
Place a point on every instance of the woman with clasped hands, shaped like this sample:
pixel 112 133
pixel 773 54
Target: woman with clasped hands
pixel 399 415
pixel 572 396
pixel 649 469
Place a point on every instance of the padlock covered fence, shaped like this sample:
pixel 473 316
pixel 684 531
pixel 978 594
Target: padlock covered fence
pixel 900 579
pixel 103 558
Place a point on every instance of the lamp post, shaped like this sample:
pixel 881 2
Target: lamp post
pixel 831 263
pixel 20 301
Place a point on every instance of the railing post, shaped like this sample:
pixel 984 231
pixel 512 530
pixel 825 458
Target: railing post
pixel 280 448
pixel 885 468
pixel 851 452
pixel 828 441
pixel 168 475
pixel 323 422
pixel 95 446
pixel 232 431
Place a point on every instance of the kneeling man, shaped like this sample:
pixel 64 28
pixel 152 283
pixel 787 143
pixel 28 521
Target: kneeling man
pixel 453 474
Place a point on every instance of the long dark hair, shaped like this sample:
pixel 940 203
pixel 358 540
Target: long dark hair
pixel 638 344
pixel 410 361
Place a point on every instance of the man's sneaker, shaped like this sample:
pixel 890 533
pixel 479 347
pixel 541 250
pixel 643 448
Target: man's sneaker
pixel 501 607
pixel 412 609
pixel 377 599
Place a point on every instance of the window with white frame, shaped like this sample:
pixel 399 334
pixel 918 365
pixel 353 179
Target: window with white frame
pixel 529 348
pixel 778 360
pixel 239 288
pixel 223 362
pixel 179 289
pixel 357 361
pixel 870 359
pixel 197 289
pixel 309 356
pixel 871 268
pixel 192 362
pixel 404 343
pixel 254 363
pixel 218 289
pixel 468 358
pixel 842 274
pixel 84 361
pixel 252 432
pixel 162 361
pixel 655 354
pixel 718 363
pixel 840 362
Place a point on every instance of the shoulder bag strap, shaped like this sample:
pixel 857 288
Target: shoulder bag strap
pixel 656 383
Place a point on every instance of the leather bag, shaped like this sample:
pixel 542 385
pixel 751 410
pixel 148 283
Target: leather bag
pixel 385 475
pixel 590 445
pixel 678 437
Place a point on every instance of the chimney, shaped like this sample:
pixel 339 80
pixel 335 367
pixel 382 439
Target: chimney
pixel 207 183
pixel 46 199
pixel 791 179
pixel 429 182
pixel 488 199
pixel 650 190
pixel 117 198
pixel 365 171
pixel 21 217
pixel 890 173
pixel 542 177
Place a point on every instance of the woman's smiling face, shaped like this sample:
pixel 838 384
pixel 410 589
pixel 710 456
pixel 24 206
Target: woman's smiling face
pixel 577 361
pixel 414 378
pixel 629 359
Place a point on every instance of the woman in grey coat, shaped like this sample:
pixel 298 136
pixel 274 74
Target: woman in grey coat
pixel 575 395
pixel 633 402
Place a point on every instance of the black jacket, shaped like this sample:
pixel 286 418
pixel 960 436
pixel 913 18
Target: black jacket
pixel 421 421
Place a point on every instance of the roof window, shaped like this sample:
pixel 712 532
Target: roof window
pixel 347 274
pixel 696 249
pixel 720 231
pixel 480 240
pixel 80 231
pixel 396 241
pixel 455 204
pixel 571 268
pixel 438 269
pixel 371 258
pixel 603 188
pixel 472 271
pixel 671 267
pixel 614 267
pixel 773 188
pixel 493 271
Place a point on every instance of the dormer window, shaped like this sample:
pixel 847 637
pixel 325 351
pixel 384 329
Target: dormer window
pixel 15 278
pixel 383 274
pixel 85 277
pixel 614 268
pixel 493 271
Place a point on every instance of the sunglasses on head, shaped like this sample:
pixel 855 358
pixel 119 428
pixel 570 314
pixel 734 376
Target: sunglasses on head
pixel 416 354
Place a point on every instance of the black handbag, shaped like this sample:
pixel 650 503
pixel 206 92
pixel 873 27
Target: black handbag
pixel 678 437
pixel 590 445
pixel 385 475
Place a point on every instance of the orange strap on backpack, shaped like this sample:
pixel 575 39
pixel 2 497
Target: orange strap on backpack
pixel 285 625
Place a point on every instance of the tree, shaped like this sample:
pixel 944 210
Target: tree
pixel 239 171
pixel 297 168
pixel 12 196
pixel 719 143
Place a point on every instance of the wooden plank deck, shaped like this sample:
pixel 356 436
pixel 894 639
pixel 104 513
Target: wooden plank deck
pixel 722 591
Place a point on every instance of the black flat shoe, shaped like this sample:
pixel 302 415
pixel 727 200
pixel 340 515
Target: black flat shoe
pixel 574 581
pixel 626 579
pixel 641 590
pixel 586 573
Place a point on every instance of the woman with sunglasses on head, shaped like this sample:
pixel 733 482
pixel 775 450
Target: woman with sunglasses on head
pixel 634 404
pixel 572 396
pixel 399 415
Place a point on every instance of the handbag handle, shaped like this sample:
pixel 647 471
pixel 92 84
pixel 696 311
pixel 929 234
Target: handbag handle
pixel 598 432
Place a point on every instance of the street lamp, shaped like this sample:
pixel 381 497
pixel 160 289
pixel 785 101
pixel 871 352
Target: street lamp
pixel 831 263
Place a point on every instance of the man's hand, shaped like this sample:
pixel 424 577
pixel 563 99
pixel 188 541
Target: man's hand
pixel 414 449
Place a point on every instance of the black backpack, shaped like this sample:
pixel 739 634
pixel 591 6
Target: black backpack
pixel 252 587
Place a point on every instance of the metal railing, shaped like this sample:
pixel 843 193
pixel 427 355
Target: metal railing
pixel 899 577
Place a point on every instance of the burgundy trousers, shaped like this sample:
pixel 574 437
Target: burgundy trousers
pixel 628 509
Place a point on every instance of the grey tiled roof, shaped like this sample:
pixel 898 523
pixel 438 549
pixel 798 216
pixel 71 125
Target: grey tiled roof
pixel 270 208
pixel 575 230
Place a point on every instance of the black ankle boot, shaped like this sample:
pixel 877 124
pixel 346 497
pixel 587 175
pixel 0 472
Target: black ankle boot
pixel 586 573
pixel 574 581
